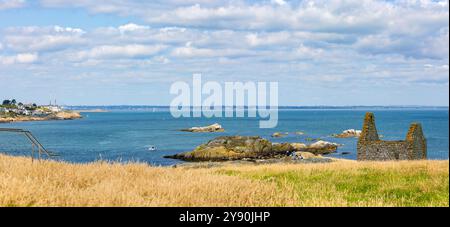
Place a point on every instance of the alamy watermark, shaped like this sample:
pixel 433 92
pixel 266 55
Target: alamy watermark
pixel 233 99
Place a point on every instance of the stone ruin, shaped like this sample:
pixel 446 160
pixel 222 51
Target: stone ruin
pixel 370 147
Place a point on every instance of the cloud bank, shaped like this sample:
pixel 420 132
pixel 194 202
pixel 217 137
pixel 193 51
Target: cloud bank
pixel 319 44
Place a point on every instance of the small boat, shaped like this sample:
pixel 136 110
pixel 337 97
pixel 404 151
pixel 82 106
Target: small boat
pixel 152 148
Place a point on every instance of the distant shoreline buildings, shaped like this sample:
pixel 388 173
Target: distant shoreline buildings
pixel 12 107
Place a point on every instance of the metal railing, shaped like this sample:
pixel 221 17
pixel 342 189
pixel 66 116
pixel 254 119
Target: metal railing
pixel 34 142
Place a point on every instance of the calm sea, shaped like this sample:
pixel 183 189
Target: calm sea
pixel 125 133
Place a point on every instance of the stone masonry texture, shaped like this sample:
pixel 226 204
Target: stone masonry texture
pixel 370 147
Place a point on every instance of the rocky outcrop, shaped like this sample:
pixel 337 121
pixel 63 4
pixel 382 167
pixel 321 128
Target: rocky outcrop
pixel 299 146
pixel 211 128
pixel 63 115
pixel 20 119
pixel 349 133
pixel 226 148
pixel 322 147
pixel 279 134
pixel 281 147
pixel 317 148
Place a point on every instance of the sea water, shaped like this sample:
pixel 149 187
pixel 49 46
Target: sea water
pixel 126 133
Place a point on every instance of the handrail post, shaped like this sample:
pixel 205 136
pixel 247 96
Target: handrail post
pixel 34 142
pixel 32 152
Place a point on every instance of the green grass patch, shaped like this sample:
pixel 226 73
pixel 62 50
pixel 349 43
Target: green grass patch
pixel 359 187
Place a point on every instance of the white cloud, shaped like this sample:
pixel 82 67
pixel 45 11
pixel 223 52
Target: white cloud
pixel 23 58
pixel 379 27
pixel 161 59
pixel 189 51
pixel 26 58
pixel 360 17
pixel 268 39
pixel 60 29
pixel 132 27
pixel 346 44
pixel 125 51
pixel 307 52
pixel 11 4
pixel 42 38
pixel 336 41
pixel 279 2
pixel 436 46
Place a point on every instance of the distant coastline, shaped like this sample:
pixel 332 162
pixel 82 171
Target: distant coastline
pixel 14 111
pixel 65 115
pixel 90 110
pixel 156 108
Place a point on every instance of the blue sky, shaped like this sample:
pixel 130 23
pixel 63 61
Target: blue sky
pixel 352 52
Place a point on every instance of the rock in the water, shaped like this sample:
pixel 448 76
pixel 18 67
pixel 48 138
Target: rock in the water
pixel 349 133
pixel 279 134
pixel 299 133
pixel 299 146
pixel 65 115
pixel 226 148
pixel 317 148
pixel 312 139
pixel 281 147
pixel 211 128
pixel 322 147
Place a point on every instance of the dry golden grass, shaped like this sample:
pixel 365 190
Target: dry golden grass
pixel 342 183
pixel 49 183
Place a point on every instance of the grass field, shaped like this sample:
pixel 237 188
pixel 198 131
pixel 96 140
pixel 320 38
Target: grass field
pixel 340 183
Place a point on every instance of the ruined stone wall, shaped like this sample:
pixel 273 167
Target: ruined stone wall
pixel 369 131
pixel 382 150
pixel 370 147
pixel 417 143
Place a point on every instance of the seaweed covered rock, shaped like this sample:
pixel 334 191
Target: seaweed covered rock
pixel 348 133
pixel 299 146
pixel 226 148
pixel 317 148
pixel 281 148
pixel 279 134
pixel 229 148
pixel 210 128
pixel 321 147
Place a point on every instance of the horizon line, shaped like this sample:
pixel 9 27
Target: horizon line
pixel 280 106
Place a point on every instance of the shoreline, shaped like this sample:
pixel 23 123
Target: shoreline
pixel 66 115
